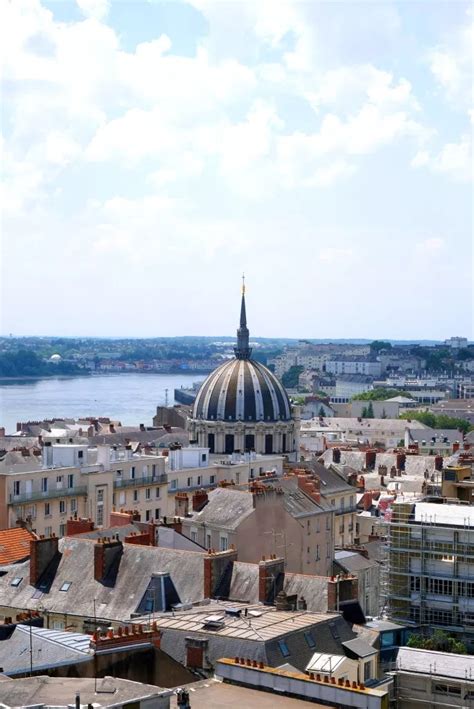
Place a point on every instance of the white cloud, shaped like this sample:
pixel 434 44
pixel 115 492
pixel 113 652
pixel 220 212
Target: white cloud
pixel 453 160
pixel 431 245
pixel 94 8
pixel 451 64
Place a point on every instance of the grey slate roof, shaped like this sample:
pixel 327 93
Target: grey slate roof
pixel 51 648
pixel 331 482
pixel 351 561
pixel 116 602
pixel 314 590
pixel 360 647
pixel 430 662
pixel 226 508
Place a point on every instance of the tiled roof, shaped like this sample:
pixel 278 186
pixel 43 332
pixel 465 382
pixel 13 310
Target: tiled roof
pixel 14 545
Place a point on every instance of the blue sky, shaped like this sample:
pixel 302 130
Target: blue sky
pixel 154 150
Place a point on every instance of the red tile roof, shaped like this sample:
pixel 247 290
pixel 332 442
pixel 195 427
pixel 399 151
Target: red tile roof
pixel 14 545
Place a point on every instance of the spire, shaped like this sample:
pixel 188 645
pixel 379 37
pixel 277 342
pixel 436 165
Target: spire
pixel 243 351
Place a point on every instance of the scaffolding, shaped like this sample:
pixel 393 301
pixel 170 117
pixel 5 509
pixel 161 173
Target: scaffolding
pixel 430 579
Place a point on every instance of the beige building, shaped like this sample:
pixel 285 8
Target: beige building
pixel 287 519
pixel 82 481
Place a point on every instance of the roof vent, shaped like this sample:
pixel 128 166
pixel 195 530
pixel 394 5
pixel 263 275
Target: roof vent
pixel 214 622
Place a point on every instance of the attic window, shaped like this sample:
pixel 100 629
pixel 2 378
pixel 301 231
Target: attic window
pixel 283 648
pixel 309 639
pixel 66 586
pixel 17 581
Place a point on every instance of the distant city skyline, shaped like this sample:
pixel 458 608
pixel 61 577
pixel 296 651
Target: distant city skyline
pixel 152 151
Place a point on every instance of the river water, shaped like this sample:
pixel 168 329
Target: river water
pixel 129 398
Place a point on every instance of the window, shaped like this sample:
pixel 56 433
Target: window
pixel 283 648
pixel 16 487
pixel 80 454
pixel 223 543
pixel 122 498
pixel 62 507
pixel 190 482
pixel 173 484
pixel 119 474
pixel 62 530
pixel 157 492
pixel 309 639
pixel 447 689
pixel 328 522
pixel 341 503
pixel 47 509
pixel 100 495
pixel 132 473
pixel 328 550
pixel 208 541
pixel 147 493
pixel 194 535
pixel 147 515
pixel 135 495
pixel 66 586
pixel 99 514
pixel 199 480
pixel 367 671
pixel 44 484
pixel 48 531
pixel 16 581
pixel 212 479
pixel 59 479
pixel 157 513
pixel 333 503
pixel 153 470
pixel 73 505
pixel 317 553
pixel 70 481
pixel 203 457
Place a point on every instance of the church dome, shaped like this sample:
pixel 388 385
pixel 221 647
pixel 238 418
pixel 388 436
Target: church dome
pixel 242 390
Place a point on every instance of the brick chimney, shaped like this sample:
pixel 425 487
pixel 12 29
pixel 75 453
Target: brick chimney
pixel 42 552
pixel 138 538
pixel 106 551
pixel 122 518
pixel 215 564
pixel 181 504
pixel 78 526
pixel 309 484
pixel 200 500
pixel 268 571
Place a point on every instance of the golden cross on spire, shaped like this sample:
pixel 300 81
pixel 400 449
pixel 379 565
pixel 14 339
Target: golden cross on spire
pixel 243 283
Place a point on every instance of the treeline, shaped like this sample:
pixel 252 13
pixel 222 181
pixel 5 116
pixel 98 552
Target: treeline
pixel 438 420
pixel 25 363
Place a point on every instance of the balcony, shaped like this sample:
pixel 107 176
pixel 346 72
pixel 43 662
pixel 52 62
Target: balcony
pixel 142 482
pixel 36 495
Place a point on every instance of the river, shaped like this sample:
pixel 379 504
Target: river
pixel 129 398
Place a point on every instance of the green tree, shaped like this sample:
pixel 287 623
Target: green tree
pixel 438 420
pixel 379 394
pixel 378 345
pixel 370 411
pixel 321 412
pixel 290 378
pixel 439 641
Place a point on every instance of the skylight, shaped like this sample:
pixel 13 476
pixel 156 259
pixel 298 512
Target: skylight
pixel 66 586
pixel 283 648
pixel 17 581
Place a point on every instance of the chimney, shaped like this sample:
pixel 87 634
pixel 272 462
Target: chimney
pixel 106 552
pixel 268 572
pixel 181 503
pixel 142 538
pixel 121 519
pixel 281 602
pixel 367 501
pixel 142 427
pixel 215 565
pixel 336 455
pixel 200 500
pixel 310 486
pixel 42 552
pixel 78 526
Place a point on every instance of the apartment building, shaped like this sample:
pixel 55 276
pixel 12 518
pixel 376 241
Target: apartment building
pixel 431 566
pixel 191 469
pixel 83 481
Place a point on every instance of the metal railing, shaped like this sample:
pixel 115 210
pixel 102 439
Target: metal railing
pixel 36 495
pixel 142 482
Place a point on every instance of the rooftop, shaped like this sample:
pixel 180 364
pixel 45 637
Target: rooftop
pixel 14 545
pixel 61 691
pixel 445 664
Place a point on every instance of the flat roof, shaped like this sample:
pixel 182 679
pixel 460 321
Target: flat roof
pixel 452 515
pixel 214 694
pixel 61 691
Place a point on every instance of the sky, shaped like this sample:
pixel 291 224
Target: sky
pixel 153 151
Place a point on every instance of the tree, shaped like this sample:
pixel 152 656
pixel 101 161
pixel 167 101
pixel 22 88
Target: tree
pixel 370 411
pixel 291 377
pixel 378 345
pixel 322 413
pixel 439 641
pixel 438 420
pixel 379 394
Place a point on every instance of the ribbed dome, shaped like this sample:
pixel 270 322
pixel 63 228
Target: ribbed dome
pixel 242 390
